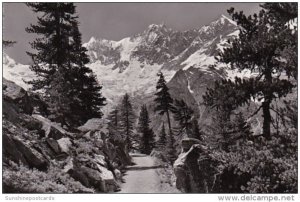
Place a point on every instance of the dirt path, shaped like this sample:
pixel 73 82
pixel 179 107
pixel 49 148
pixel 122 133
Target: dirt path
pixel 143 177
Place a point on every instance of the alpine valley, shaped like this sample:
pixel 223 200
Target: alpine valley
pixel 174 119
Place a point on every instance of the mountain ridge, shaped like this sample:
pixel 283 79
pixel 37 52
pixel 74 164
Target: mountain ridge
pixel 130 65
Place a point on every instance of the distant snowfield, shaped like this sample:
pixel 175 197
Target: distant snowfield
pixel 16 72
pixel 134 80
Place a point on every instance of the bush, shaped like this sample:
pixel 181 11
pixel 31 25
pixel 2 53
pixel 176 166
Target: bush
pixel 20 179
pixel 272 164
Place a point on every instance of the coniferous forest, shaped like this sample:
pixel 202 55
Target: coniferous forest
pixel 207 110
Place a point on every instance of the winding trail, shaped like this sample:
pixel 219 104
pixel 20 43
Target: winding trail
pixel 143 177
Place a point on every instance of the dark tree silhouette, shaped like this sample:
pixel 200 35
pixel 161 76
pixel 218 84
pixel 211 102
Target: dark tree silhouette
pixel 262 47
pixel 147 142
pixel 59 62
pixel 127 120
pixel 163 99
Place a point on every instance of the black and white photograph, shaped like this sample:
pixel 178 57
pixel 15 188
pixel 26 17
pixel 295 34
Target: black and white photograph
pixel 150 98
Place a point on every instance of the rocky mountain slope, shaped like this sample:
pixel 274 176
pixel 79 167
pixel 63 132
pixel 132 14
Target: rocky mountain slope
pixel 39 156
pixel 131 64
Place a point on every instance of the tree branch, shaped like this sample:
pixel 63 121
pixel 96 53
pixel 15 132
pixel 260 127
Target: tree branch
pixel 255 112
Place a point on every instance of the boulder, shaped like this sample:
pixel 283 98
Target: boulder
pixel 118 174
pixel 187 143
pixel 34 158
pixel 100 159
pixel 195 170
pixel 52 132
pixel 17 95
pixel 51 129
pixel 64 144
pixel 32 124
pixel 94 124
pixel 53 145
pixel 109 182
pixel 93 177
pixel 10 111
pixel 69 165
pixel 10 151
pixel 87 135
pixel 92 173
pixel 17 150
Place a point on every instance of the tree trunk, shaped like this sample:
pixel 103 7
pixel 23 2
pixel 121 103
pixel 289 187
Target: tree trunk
pixel 169 122
pixel 266 105
pixel 127 129
pixel 267 120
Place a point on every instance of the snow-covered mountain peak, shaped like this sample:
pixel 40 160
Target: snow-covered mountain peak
pixel 157 26
pixel 131 64
pixel 223 19
pixel 156 30
pixel 222 26
pixel 92 40
pixel 8 61
pixel 98 41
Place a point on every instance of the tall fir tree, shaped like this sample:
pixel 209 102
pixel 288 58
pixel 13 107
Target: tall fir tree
pixel 183 114
pixel 262 47
pixel 114 117
pixel 59 62
pixel 87 99
pixel 114 124
pixel 52 47
pixel 163 99
pixel 127 120
pixel 147 142
pixel 162 141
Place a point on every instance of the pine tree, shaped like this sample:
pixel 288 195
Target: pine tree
pixel 183 114
pixel 127 120
pixel 55 25
pixel 262 47
pixel 114 118
pixel 226 96
pixel 162 141
pixel 114 124
pixel 163 99
pixel 59 62
pixel 86 94
pixel 283 12
pixel 147 140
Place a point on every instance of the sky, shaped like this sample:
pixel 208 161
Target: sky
pixel 115 21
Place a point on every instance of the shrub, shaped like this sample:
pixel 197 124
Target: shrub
pixel 21 179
